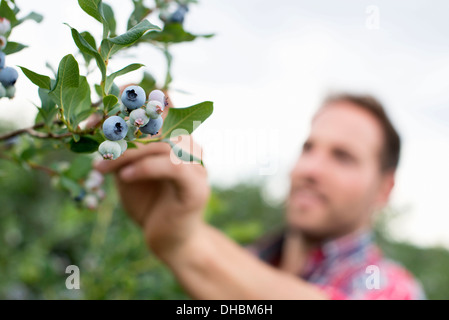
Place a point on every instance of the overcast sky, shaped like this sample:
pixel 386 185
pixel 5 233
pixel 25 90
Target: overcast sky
pixel 267 69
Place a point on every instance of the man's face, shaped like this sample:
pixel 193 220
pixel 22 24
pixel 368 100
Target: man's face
pixel 336 182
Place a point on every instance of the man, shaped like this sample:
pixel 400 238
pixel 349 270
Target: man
pixel 345 173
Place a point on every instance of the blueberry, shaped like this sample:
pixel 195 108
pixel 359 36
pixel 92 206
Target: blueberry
pixel 115 128
pixel 10 92
pixel 3 42
pixel 157 95
pixel 124 110
pixel 123 145
pixel 110 150
pixel 2 60
pixel 94 180
pixel 8 77
pixel 179 15
pixel 80 196
pixel 133 97
pixel 153 126
pixel 138 118
pixel 5 26
pixel 131 131
pixel 2 91
pixel 154 109
pixel 91 202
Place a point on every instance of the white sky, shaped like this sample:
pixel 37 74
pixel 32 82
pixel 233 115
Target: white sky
pixel 267 70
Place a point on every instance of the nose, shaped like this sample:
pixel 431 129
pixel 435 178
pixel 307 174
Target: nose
pixel 310 166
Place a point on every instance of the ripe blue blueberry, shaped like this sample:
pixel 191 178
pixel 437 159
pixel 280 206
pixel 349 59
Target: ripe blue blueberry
pixel 123 145
pixel 2 60
pixel 153 126
pixel 115 128
pixel 10 92
pixel 138 118
pixel 133 97
pixel 179 15
pixel 3 42
pixel 158 95
pixel 8 77
pixel 110 150
pixel 154 109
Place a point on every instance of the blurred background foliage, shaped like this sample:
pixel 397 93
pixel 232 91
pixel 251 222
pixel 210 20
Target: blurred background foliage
pixel 42 231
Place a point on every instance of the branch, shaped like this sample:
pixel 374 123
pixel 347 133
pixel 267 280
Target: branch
pixel 26 130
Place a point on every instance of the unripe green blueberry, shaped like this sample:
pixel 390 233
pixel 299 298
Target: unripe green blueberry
pixel 157 95
pixel 123 145
pixel 2 91
pixel 138 118
pixel 132 130
pixel 110 150
pixel 124 110
pixel 154 109
pixel 10 92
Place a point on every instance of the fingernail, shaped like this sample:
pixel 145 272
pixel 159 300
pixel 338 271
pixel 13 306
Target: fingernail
pixel 127 173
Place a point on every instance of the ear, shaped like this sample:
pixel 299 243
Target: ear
pixel 385 187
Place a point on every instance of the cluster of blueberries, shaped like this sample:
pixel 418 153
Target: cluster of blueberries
pixel 8 75
pixel 144 119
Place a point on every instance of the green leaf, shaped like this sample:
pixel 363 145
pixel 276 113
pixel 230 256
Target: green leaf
pixel 109 102
pixel 48 108
pixel 173 33
pixel 39 80
pixel 79 168
pixel 132 145
pixel 13 47
pixel 148 82
pixel 92 8
pixel 139 13
pixel 90 40
pixel 108 49
pixel 68 78
pixel 114 111
pixel 31 16
pixel 182 154
pixel 71 186
pixel 108 15
pixel 85 145
pixel 184 119
pixel 8 13
pixel 110 79
pixel 115 90
pixel 134 34
pixel 86 48
pixel 77 102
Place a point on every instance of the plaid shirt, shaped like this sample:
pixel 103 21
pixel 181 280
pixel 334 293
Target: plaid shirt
pixel 350 267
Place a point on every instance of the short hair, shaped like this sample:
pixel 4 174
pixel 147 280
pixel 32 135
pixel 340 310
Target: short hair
pixel 390 153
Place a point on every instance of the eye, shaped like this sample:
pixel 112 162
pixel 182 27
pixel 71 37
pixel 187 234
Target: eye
pixel 343 156
pixel 306 147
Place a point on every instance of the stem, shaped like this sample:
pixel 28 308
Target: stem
pixel 36 166
pixel 143 141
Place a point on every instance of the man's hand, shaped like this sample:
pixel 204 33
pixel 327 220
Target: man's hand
pixel 165 198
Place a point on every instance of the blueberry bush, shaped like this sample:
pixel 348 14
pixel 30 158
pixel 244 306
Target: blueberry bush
pixel 69 118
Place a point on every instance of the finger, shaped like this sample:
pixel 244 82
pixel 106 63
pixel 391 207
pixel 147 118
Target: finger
pixel 132 155
pixel 157 167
